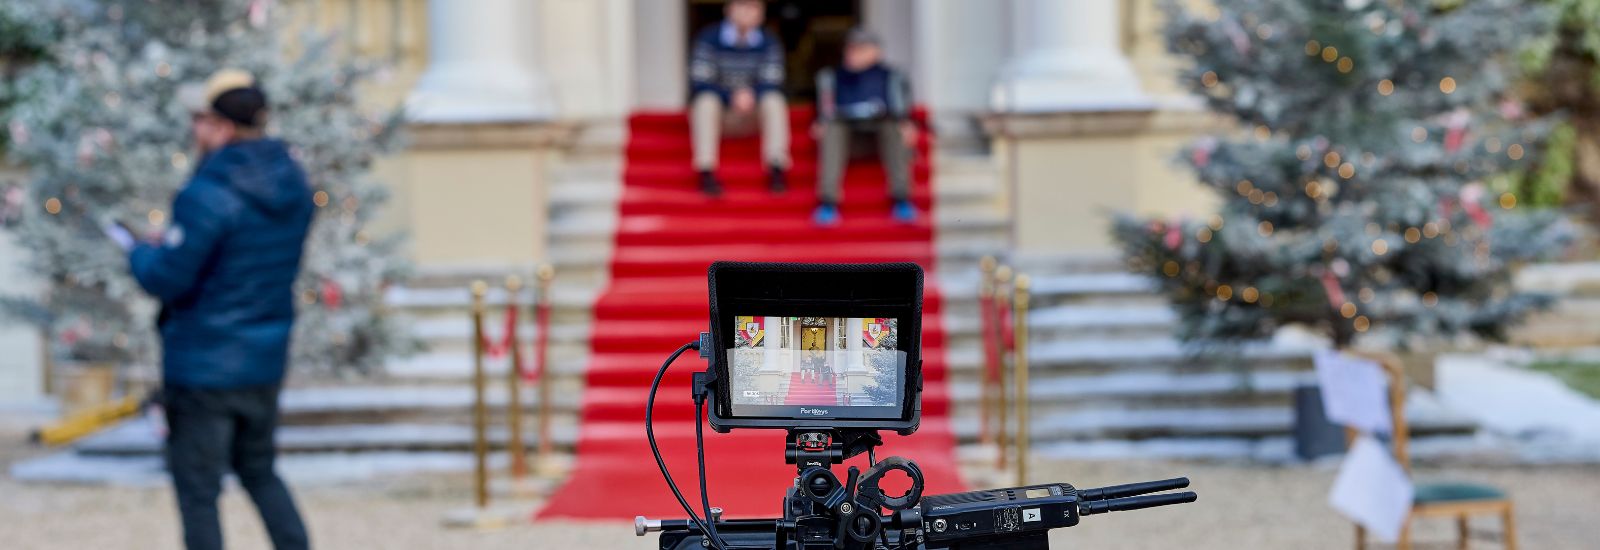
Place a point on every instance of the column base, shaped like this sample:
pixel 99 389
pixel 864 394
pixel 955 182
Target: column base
pixel 1079 81
pixel 479 94
pixel 476 194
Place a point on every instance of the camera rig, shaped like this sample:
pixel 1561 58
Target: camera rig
pixel 820 510
pixel 823 512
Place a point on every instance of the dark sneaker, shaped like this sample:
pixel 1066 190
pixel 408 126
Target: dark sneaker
pixel 904 211
pixel 826 215
pixel 777 180
pixel 709 184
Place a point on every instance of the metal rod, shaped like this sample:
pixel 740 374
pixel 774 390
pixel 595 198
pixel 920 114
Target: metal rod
pixel 541 354
pixel 986 324
pixel 1002 280
pixel 48 380
pixel 519 455
pixel 480 415
pixel 1020 334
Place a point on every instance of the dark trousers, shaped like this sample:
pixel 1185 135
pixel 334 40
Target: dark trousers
pixel 212 431
pixel 834 152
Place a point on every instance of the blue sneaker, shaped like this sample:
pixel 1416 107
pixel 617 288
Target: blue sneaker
pixel 826 215
pixel 904 211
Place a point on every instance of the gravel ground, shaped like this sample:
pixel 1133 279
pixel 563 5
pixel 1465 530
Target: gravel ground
pixel 1242 506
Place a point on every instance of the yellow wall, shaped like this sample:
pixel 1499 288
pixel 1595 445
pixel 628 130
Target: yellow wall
pixel 1071 172
pixel 472 207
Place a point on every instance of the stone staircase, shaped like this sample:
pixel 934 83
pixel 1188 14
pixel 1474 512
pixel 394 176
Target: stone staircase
pixel 1108 379
pixel 422 405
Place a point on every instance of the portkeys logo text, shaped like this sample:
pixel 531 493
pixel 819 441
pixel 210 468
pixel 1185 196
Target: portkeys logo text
pixel 814 412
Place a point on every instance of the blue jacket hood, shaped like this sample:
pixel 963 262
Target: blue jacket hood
pixel 262 172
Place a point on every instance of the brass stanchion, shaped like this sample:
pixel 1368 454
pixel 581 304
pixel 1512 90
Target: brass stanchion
pixel 1002 280
pixel 480 410
pixel 479 516
pixel 519 458
pixel 546 457
pixel 986 335
pixel 1020 334
pixel 48 381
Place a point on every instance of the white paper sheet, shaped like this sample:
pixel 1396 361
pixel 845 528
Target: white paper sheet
pixel 1354 392
pixel 1372 489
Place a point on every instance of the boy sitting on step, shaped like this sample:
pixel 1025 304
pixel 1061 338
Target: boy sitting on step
pixel 863 96
pixel 736 78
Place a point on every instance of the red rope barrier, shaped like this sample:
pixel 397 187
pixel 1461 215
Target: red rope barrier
pixel 496 350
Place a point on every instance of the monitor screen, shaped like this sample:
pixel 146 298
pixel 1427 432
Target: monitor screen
pixel 816 367
pixel 808 345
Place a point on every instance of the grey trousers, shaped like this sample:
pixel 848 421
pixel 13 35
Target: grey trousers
pixel 707 123
pixel 833 153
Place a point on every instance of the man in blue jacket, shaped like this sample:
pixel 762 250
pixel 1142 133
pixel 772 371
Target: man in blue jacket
pixel 223 272
pixel 736 81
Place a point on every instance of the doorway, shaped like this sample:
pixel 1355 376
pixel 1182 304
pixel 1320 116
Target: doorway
pixel 812 31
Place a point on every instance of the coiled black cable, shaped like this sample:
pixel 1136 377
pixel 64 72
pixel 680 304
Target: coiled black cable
pixel 650 434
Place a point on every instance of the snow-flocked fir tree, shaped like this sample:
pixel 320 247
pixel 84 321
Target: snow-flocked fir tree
pixel 1353 194
pixel 109 140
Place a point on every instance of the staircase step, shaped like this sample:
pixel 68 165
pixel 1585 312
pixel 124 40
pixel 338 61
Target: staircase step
pixel 373 404
pixel 571 296
pixel 1071 322
pixel 1123 390
pixel 1240 422
pixel 455 367
pixel 137 437
pixel 1160 353
pixel 1083 289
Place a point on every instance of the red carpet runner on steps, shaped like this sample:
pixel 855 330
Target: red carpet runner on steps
pixel 667 235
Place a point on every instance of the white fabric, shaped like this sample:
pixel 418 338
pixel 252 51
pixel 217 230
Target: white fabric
pixel 1373 490
pixel 1354 392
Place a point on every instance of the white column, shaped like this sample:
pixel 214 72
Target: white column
pixel 1067 58
pixel 959 46
pixel 478 70
pixel 660 54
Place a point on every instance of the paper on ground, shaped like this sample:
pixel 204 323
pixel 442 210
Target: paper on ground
pixel 1372 489
pixel 1353 392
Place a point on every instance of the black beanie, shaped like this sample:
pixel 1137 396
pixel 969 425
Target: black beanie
pixel 243 106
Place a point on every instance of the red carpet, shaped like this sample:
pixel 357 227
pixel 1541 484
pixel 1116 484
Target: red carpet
pixel 805 392
pixel 667 235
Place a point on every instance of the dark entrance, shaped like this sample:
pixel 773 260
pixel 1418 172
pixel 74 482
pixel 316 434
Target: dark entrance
pixel 812 31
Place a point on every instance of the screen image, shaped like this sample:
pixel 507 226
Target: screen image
pixel 825 366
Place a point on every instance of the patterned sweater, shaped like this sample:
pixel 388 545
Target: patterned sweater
pixel 721 62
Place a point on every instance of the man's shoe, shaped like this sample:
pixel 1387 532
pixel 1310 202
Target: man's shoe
pixel 777 180
pixel 826 215
pixel 709 184
pixel 904 211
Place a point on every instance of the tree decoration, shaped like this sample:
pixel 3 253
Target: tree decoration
pixel 111 142
pixel 1353 199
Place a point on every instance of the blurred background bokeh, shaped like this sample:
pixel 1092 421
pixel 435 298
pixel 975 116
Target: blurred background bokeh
pixel 1202 194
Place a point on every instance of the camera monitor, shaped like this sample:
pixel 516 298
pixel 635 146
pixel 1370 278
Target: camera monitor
pixel 816 345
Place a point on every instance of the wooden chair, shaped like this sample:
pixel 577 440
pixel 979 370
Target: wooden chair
pixel 1459 500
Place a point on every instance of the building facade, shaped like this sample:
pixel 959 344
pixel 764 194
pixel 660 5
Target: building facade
pixel 1073 103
